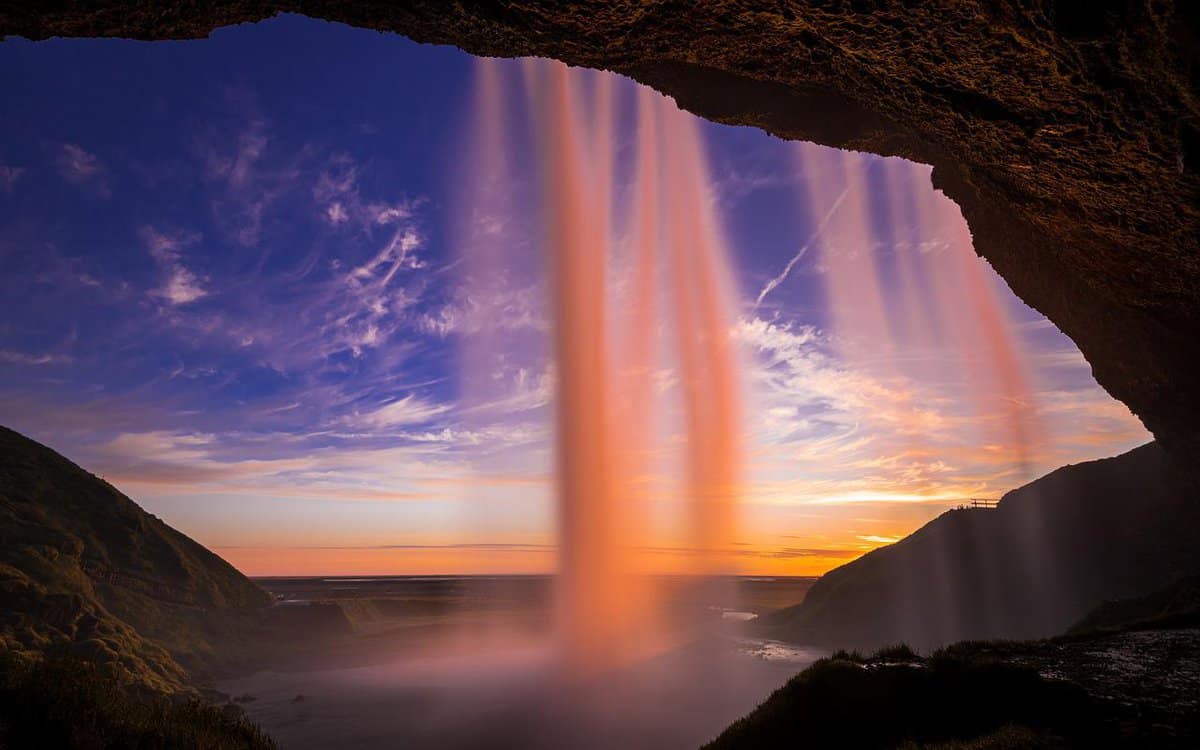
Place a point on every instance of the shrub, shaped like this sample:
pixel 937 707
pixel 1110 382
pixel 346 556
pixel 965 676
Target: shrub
pixel 63 701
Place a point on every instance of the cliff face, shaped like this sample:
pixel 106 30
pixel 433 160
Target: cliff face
pixel 1051 552
pixel 83 568
pixel 1068 131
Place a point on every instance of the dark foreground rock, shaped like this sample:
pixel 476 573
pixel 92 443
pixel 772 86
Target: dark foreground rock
pixel 1126 690
pixel 1148 679
pixel 65 702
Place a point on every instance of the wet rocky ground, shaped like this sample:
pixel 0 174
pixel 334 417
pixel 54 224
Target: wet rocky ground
pixel 1128 689
pixel 1150 679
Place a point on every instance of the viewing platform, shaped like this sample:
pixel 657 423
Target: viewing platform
pixel 976 503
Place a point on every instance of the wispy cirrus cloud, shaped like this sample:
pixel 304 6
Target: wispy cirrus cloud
pixel 339 200
pixel 377 306
pixel 248 184
pixel 11 357
pixel 354 293
pixel 398 253
pixel 403 412
pixel 180 285
pixel 9 176
pixel 348 468
pixel 336 213
pixel 80 167
pixel 501 306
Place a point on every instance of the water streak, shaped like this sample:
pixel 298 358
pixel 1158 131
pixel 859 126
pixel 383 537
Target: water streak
pixel 942 303
pixel 606 351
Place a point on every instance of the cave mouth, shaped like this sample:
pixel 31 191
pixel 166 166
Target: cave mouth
pixel 273 263
pixel 873 341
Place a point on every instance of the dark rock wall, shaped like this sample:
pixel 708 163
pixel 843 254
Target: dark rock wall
pixel 1051 552
pixel 1067 130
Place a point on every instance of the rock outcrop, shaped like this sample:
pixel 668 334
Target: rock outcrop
pixel 1127 689
pixel 1047 555
pixel 84 570
pixel 1068 131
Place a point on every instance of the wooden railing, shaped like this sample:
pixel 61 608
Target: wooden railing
pixel 975 503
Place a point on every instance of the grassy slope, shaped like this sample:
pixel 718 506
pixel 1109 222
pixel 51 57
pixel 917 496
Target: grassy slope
pixel 84 570
pixel 64 702
pixel 1054 549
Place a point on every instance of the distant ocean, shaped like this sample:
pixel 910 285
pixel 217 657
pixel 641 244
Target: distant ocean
pixel 749 596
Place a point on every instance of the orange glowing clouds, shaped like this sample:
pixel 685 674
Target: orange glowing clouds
pixel 429 559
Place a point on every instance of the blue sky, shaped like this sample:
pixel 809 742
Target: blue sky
pixel 232 286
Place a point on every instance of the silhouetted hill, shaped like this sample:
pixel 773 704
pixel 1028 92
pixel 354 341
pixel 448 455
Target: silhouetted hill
pixel 1053 550
pixel 84 570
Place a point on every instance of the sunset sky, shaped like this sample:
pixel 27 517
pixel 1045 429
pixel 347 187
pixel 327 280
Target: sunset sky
pixel 231 287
